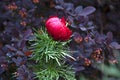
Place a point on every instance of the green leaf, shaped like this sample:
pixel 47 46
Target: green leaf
pixel 49 56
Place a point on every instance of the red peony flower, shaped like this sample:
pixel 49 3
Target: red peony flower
pixel 57 29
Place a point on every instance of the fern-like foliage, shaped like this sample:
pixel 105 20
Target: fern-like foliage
pixel 50 57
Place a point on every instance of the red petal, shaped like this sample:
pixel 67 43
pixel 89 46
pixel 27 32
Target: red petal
pixel 63 20
pixel 57 29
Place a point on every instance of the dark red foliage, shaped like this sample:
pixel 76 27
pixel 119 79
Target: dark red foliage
pixel 95 25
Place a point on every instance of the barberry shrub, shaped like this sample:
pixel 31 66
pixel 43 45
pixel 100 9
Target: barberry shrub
pixel 91 54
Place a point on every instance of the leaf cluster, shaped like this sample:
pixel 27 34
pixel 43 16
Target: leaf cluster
pixel 49 56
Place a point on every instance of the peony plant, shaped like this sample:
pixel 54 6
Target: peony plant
pixel 50 50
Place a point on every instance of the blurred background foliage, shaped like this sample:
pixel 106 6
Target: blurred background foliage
pixel 97 20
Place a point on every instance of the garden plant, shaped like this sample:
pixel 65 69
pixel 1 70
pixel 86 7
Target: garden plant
pixel 59 40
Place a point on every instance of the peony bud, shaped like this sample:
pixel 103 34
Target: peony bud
pixel 57 29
